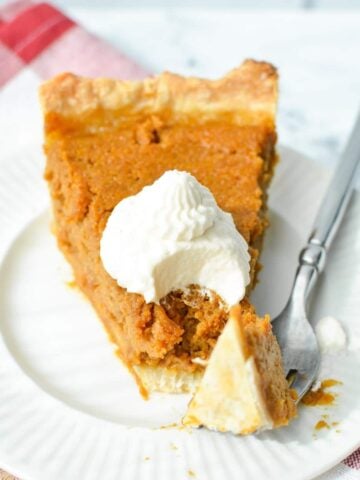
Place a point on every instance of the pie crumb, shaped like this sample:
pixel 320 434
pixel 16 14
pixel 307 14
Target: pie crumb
pixel 321 396
pixel 321 424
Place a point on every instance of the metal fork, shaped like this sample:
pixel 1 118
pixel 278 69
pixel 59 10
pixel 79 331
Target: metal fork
pixel 298 344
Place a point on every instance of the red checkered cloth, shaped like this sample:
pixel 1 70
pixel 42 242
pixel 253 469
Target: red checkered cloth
pixel 40 37
pixel 38 41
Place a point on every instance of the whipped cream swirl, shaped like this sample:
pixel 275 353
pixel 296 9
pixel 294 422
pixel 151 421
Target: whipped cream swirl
pixel 173 234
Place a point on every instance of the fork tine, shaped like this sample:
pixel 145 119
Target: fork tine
pixel 302 384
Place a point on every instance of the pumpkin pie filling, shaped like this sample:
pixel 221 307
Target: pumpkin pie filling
pixel 89 173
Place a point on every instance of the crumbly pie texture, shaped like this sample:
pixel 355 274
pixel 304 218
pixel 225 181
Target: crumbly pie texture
pixel 243 389
pixel 246 97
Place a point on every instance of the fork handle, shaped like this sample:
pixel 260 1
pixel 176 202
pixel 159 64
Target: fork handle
pixel 333 205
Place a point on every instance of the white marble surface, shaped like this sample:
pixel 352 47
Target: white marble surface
pixel 258 4
pixel 317 53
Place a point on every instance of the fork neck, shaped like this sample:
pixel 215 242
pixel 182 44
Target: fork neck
pixel 305 278
pixel 311 262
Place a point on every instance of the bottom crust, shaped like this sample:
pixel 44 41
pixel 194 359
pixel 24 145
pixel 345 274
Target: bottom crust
pixel 161 379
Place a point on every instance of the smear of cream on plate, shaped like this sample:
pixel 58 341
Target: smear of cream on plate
pixel 330 335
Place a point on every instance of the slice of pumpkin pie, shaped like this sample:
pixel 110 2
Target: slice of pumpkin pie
pixel 159 198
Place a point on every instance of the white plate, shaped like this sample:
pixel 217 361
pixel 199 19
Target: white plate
pixel 69 410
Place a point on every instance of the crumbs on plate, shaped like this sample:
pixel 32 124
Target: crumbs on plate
pixel 321 396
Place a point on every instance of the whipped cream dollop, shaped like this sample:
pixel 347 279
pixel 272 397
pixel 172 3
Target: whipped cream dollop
pixel 173 234
pixel 330 335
